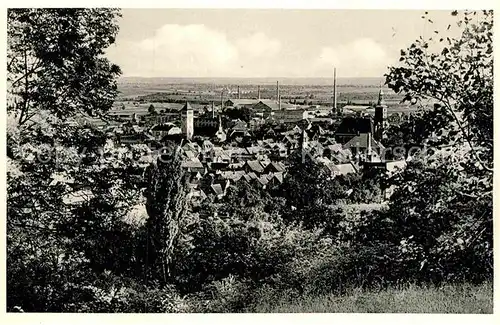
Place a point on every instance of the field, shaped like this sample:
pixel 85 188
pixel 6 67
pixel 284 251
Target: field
pixel 460 299
pixel 298 91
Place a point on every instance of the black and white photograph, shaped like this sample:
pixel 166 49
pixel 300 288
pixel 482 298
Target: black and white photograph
pixel 249 160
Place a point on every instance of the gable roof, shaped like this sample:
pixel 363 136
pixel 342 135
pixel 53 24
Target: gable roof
pixel 245 101
pixel 250 175
pixel 276 176
pixel 275 167
pixel 192 164
pixel 263 180
pixel 163 127
pixel 344 169
pixel 392 166
pixel 217 189
pixel 255 166
pixel 355 125
pixel 361 141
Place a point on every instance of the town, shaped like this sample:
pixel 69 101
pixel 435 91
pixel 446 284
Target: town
pixel 251 138
pixel 249 161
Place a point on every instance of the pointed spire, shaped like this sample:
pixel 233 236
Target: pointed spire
pixel 380 96
pixel 187 107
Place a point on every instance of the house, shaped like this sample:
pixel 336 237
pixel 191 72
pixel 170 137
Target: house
pixel 193 146
pixel 356 108
pixel 254 166
pixel 351 127
pixel 136 138
pixel 233 176
pixel 365 146
pixel 161 130
pixel 240 103
pixel 275 179
pixel 217 190
pixel 266 106
pixel 274 167
pixel 289 115
pixel 279 151
pixel 340 169
pixel 193 166
pixel 207 146
pixel 197 196
pixel 250 176
pixel 262 181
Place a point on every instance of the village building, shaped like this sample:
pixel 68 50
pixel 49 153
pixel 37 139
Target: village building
pixel 161 130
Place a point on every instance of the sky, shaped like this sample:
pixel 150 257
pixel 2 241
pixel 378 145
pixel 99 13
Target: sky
pixel 265 43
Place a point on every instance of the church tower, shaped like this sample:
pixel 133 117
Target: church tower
pixel 187 116
pixel 380 116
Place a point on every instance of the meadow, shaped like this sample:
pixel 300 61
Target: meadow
pixel 461 298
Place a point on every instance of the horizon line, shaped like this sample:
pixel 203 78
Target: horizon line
pixel 232 77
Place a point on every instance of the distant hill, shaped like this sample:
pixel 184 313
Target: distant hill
pixel 362 82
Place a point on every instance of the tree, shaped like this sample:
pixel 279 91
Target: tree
pixel 151 109
pixel 435 231
pixel 166 204
pixel 55 61
pixel 459 78
pixel 69 187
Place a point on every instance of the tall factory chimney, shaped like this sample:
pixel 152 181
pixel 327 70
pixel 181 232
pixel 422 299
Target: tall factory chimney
pixel 238 92
pixel 258 92
pixel 335 89
pixel 213 109
pixel 222 100
pixel 279 102
pixel 277 91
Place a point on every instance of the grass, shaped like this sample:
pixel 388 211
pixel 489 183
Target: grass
pixel 459 299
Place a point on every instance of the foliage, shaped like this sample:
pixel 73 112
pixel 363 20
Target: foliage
pixel 459 78
pixel 55 61
pixel 243 113
pixel 166 204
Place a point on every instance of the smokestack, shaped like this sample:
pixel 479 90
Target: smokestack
pixel 277 90
pixel 222 100
pixel 258 92
pixel 238 92
pixel 335 89
pixel 279 102
pixel 213 109
pixel 369 147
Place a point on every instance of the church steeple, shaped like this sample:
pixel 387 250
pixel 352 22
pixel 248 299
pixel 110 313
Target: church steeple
pixel 187 121
pixel 380 115
pixel 380 101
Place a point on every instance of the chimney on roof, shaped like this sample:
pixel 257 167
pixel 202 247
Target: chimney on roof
pixel 258 92
pixel 238 92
